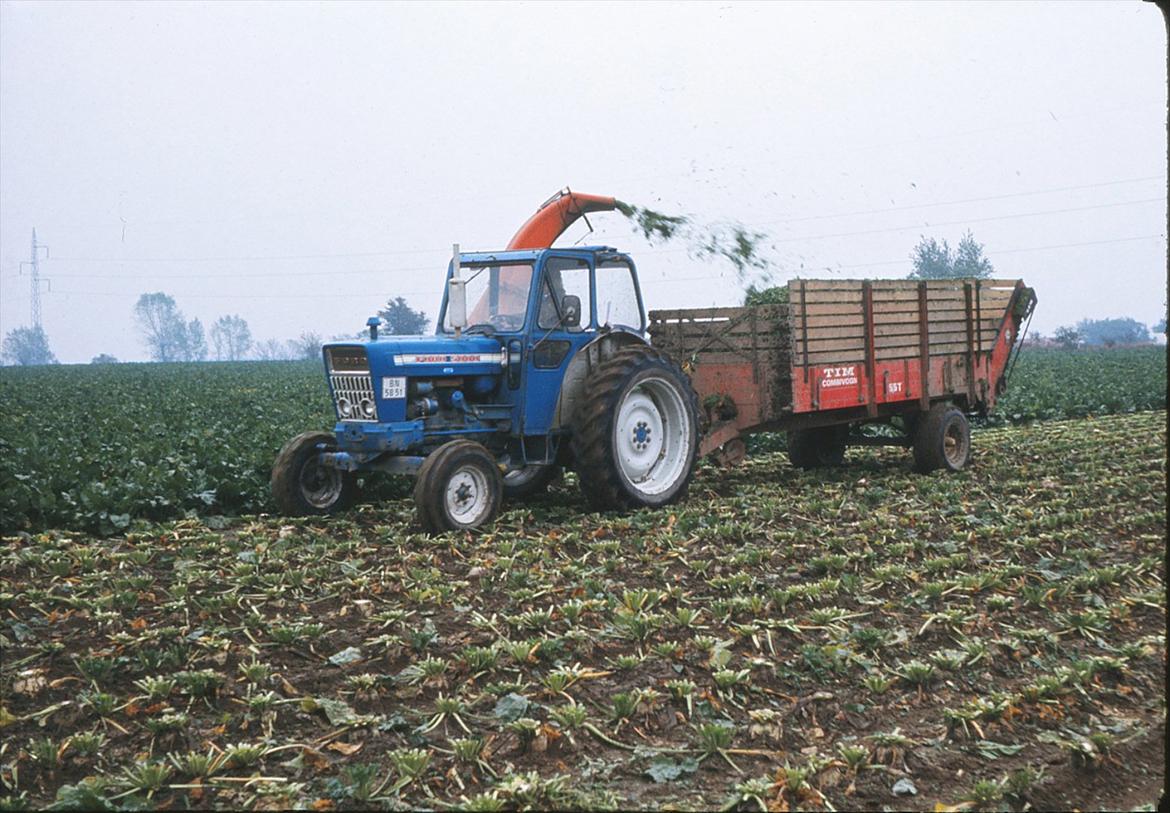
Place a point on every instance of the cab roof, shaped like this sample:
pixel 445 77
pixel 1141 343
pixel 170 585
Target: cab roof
pixel 521 255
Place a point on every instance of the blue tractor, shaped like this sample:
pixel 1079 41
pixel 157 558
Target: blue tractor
pixel 539 362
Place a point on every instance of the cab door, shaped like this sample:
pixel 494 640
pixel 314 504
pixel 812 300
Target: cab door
pixel 557 334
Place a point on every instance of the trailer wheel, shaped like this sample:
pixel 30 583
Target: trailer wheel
pixel 816 448
pixel 459 487
pixel 636 433
pixel 942 439
pixel 302 487
pixel 529 481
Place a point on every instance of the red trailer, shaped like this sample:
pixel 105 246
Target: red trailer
pixel 843 353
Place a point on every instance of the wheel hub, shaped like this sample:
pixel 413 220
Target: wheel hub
pixel 641 435
pixel 650 436
pixel 466 495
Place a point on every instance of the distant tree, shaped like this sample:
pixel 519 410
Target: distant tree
pixel 231 338
pixel 26 346
pixel 306 346
pixel 1067 337
pixel 399 319
pixel 1160 327
pixel 273 350
pixel 104 358
pixel 935 260
pixel 195 346
pixel 164 330
pixel 1110 332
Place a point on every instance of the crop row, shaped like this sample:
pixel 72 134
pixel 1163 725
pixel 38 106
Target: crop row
pixel 782 639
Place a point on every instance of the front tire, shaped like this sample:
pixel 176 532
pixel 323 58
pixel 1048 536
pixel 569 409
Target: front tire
pixel 942 439
pixel 636 433
pixel 303 487
pixel 459 488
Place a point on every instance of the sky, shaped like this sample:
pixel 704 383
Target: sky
pixel 298 164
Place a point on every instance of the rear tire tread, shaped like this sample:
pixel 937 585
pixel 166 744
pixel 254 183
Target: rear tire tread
pixel 597 471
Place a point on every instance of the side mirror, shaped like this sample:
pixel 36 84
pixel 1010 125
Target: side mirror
pixel 571 310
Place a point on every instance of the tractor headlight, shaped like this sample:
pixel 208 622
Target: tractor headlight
pixel 367 407
pixel 344 407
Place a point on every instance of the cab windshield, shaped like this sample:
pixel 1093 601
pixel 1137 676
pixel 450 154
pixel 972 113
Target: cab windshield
pixel 497 297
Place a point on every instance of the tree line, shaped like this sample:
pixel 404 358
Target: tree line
pixel 169 336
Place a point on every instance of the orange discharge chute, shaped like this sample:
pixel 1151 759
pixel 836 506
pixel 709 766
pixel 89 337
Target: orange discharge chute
pixel 540 231
pixel 555 215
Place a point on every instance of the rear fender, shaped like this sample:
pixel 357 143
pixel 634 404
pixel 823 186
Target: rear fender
pixel 582 364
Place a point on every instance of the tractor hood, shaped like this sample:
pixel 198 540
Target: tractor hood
pixel 431 356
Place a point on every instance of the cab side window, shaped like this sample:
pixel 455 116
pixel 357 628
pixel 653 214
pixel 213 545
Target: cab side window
pixel 617 298
pixel 564 276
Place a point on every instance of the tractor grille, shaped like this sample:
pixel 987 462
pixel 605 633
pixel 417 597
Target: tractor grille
pixel 353 397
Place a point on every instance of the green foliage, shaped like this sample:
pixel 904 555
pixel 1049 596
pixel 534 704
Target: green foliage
pixel 1048 384
pixel 734 242
pixel 935 260
pixel 147 441
pixel 157 442
pixel 775 295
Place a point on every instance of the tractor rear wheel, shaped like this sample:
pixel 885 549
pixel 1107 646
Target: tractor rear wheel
pixel 529 481
pixel 819 447
pixel 301 486
pixel 459 487
pixel 942 439
pixel 636 433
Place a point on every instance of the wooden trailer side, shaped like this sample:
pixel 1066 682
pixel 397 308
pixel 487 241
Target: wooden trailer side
pixel 864 343
pixel 740 356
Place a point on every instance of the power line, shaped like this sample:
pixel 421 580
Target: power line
pixel 966 221
pixel 645 279
pixel 350 255
pixel 955 202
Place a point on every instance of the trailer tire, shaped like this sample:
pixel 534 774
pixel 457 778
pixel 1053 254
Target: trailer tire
pixel 530 481
pixel 636 433
pixel 302 487
pixel 817 448
pixel 459 488
pixel 942 439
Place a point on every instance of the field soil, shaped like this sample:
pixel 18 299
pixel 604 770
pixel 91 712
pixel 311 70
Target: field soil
pixel 852 638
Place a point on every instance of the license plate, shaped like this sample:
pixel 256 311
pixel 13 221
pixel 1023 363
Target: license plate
pixel 393 387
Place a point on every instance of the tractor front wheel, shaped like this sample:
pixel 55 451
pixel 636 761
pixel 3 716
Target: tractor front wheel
pixel 459 488
pixel 636 434
pixel 942 439
pixel 301 486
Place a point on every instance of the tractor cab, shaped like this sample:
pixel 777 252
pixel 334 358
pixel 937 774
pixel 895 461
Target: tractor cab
pixel 543 307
